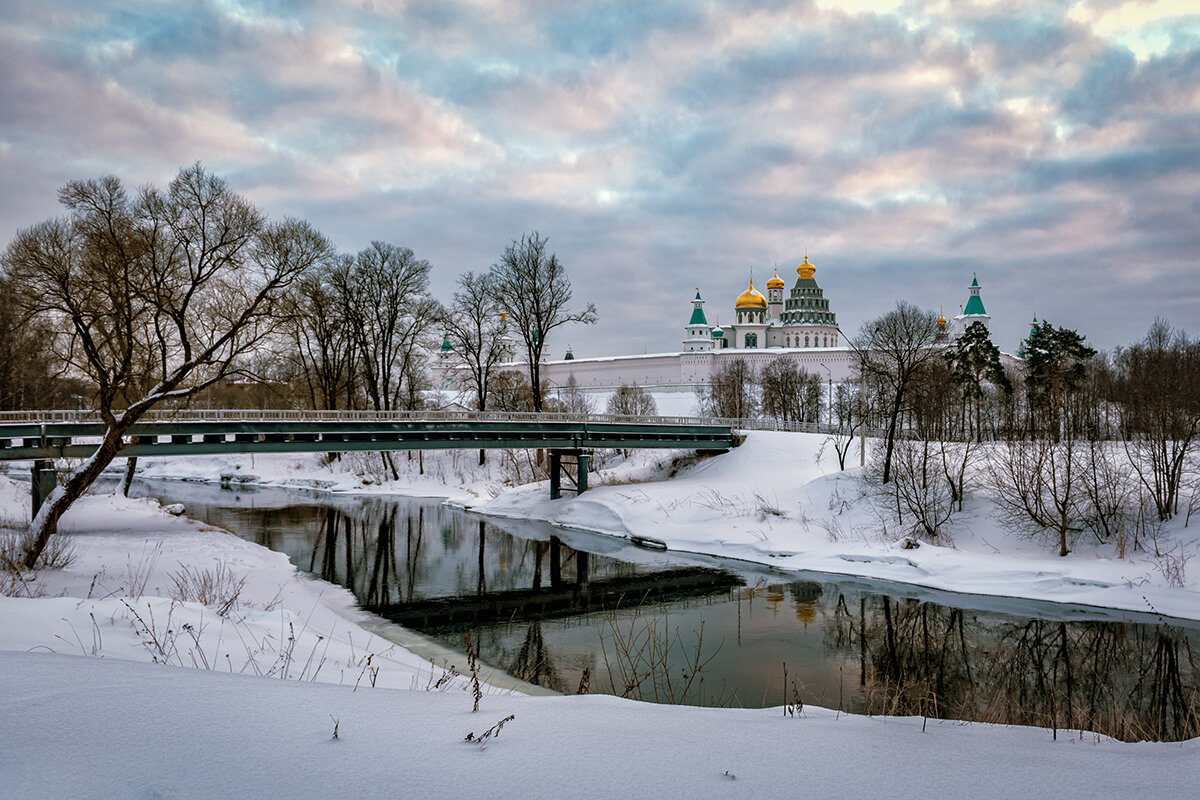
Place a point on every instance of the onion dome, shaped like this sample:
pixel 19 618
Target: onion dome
pixel 751 298
pixel 776 282
pixel 806 270
pixel 941 320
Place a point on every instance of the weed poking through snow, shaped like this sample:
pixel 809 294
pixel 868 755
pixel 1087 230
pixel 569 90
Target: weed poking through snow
pixel 491 733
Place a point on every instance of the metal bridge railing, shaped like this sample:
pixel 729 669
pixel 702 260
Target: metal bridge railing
pixel 292 415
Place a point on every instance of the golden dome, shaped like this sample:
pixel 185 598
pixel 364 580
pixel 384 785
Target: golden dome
pixel 776 282
pixel 805 270
pixel 751 298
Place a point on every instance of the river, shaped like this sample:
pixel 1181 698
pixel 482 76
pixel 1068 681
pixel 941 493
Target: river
pixel 574 611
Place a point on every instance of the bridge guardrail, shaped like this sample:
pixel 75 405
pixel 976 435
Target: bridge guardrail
pixel 293 415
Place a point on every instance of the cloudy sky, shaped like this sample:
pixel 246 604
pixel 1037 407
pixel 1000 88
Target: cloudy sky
pixel 1051 147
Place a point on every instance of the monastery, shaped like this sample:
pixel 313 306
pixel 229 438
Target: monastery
pixel 801 327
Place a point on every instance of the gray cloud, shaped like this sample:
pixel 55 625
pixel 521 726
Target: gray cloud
pixel 661 146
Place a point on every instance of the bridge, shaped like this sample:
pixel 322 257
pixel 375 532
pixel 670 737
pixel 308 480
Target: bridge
pixel 46 435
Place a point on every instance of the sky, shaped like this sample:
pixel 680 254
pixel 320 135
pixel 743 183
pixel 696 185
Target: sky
pixel 1051 148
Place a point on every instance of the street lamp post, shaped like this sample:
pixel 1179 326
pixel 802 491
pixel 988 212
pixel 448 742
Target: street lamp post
pixel 830 374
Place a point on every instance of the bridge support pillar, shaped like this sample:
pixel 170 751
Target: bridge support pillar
pixel 582 463
pixel 44 479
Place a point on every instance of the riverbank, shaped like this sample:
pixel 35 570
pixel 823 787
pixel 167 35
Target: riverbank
pixel 780 499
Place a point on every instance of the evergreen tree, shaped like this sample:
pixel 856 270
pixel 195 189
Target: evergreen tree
pixel 974 359
pixel 1056 365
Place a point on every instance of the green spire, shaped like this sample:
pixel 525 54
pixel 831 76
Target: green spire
pixel 698 317
pixel 974 303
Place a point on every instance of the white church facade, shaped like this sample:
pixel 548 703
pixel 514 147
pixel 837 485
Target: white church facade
pixel 802 320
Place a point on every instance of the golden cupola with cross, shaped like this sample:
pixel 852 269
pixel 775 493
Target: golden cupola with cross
pixel 751 298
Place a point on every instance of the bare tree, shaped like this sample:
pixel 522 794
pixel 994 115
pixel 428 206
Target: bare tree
pixel 152 298
pixel 1037 485
pixel 29 375
pixel 850 417
pixel 1157 386
pixel 632 401
pixel 511 392
pixel 891 349
pixel 384 298
pixel 533 288
pixel 731 391
pixel 575 401
pixel 477 334
pixel 919 489
pixel 322 342
pixel 789 393
pixel 930 461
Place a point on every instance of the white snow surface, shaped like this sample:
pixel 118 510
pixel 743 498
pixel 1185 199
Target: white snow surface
pixel 94 728
pixel 244 703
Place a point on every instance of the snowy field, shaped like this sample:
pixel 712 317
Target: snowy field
pixel 84 720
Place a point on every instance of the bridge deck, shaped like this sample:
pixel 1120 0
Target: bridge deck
pixel 280 432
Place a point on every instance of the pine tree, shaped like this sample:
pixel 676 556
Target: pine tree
pixel 1055 362
pixel 973 360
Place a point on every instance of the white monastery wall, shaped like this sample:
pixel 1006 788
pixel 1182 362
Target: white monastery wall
pixel 687 371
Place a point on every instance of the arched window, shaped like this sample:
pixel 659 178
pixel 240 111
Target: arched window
pixel 806 341
pixel 751 340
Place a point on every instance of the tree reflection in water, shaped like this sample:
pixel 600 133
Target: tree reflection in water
pixel 1126 680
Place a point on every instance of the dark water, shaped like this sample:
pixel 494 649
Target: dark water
pixel 569 609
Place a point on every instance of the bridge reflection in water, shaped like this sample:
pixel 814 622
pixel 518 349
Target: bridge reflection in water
pixel 560 583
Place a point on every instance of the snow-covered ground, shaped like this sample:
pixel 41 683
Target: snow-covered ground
pixel 82 720
pixel 780 499
pixel 95 728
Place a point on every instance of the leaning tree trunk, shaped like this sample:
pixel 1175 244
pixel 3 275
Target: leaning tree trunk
pixel 45 524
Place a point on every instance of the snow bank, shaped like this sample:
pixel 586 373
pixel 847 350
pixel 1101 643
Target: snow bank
pixel 77 727
pixel 140 588
pixel 779 499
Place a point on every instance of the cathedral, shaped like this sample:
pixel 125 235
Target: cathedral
pixel 801 321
